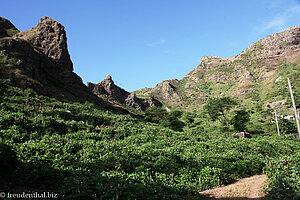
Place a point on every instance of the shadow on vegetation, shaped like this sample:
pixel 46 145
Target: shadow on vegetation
pixel 39 176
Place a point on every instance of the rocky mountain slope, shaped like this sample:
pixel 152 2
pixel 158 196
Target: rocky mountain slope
pixel 39 59
pixel 249 75
pixel 7 29
pixel 108 87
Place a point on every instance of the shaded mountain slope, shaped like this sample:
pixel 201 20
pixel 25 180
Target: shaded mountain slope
pixel 39 59
pixel 108 87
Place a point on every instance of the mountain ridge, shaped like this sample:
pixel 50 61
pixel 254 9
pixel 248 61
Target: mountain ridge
pixel 107 87
pixel 39 59
pixel 234 76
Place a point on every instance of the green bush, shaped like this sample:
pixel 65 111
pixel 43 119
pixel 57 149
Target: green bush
pixel 86 152
pixel 9 159
pixel 283 178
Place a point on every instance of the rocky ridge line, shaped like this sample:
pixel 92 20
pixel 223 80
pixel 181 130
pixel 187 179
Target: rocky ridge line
pixel 108 87
pixel 258 63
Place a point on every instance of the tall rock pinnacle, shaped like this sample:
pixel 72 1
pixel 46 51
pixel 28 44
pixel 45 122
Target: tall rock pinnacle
pixel 50 37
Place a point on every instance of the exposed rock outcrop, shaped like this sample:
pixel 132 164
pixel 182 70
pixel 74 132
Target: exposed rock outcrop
pixel 167 90
pixel 108 87
pixel 39 59
pixel 242 76
pixel 49 36
pixel 241 135
pixel 277 43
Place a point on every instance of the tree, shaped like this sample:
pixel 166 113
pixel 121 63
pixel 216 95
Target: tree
pixel 240 119
pixel 217 107
pixel 156 114
pixel 173 120
pixel 161 116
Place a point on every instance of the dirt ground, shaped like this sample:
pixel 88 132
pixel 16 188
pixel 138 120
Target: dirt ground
pixel 247 188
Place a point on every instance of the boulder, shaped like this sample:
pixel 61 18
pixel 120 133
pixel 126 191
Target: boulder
pixel 241 135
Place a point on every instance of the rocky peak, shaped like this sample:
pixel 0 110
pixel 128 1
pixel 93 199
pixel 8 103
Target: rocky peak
pixel 108 78
pixel 208 57
pixel 7 29
pixel 50 37
pixel 276 44
pixel 167 89
pixel 108 87
pixel 39 59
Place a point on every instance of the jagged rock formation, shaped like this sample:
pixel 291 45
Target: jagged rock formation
pixel 168 90
pixel 239 76
pixel 50 37
pixel 108 87
pixel 277 43
pixel 39 59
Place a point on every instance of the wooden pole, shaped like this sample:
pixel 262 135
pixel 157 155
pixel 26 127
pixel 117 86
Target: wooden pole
pixel 277 124
pixel 295 109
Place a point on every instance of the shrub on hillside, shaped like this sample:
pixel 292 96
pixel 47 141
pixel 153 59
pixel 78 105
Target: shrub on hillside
pixel 283 178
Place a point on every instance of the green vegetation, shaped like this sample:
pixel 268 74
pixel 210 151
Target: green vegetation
pixel 12 31
pixel 161 116
pixel 8 32
pixel 240 119
pixel 284 178
pixel 85 152
pixel 218 107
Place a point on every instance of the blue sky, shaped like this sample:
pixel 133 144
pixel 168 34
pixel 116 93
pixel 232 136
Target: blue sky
pixel 143 42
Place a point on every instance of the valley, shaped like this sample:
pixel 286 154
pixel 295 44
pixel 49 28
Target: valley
pixel 169 142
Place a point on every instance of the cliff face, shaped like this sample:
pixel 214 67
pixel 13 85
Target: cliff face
pixel 39 59
pixel 49 36
pixel 108 87
pixel 239 76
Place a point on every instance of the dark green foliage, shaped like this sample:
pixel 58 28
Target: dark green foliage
pixel 161 116
pixel 156 114
pixel 283 178
pixel 87 153
pixel 173 121
pixel 217 108
pixel 287 126
pixel 240 119
pixel 4 81
pixel 9 159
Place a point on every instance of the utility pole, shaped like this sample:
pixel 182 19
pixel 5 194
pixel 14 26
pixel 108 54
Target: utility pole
pixel 277 123
pixel 295 109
